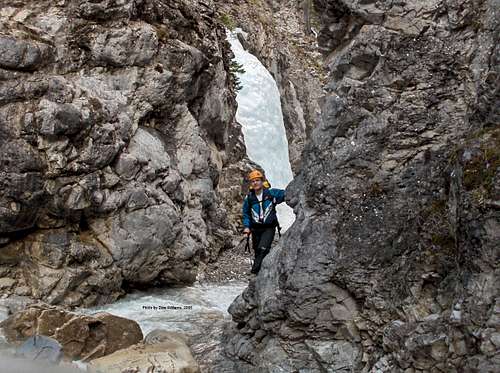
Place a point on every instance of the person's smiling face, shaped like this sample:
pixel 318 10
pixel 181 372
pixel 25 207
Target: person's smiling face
pixel 256 184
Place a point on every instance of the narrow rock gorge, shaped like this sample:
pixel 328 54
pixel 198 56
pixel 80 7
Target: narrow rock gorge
pixel 392 263
pixel 121 167
pixel 120 159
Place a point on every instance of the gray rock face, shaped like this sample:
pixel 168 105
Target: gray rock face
pixel 62 267
pixel 391 265
pixel 19 54
pixel 140 237
pixel 131 46
pixel 116 129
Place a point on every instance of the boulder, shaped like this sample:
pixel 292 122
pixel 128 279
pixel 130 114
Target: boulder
pixel 161 352
pixel 81 336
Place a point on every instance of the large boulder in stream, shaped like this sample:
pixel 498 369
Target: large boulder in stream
pixel 161 352
pixel 118 146
pixel 392 263
pixel 81 336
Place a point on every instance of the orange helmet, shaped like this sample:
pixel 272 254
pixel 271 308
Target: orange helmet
pixel 255 174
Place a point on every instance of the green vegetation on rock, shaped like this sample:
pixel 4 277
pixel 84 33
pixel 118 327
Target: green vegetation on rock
pixel 227 21
pixel 236 68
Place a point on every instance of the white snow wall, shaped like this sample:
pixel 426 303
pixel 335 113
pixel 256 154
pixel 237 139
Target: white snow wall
pixel 259 113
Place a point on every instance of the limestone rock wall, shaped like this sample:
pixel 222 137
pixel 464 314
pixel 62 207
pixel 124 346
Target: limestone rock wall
pixel 117 133
pixel 392 263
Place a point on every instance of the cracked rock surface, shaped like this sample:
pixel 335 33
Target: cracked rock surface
pixel 118 147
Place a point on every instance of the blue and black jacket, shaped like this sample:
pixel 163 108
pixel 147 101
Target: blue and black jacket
pixel 252 207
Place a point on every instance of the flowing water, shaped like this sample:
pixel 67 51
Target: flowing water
pixel 259 113
pixel 199 309
pixel 183 309
pixel 193 309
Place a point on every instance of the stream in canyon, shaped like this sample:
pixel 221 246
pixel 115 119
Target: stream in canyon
pixel 193 310
pixel 183 309
pixel 186 309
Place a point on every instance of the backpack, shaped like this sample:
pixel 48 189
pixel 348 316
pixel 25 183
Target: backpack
pixel 273 203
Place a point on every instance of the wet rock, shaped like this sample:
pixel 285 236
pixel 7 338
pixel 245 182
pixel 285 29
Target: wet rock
pixel 171 354
pixel 81 337
pixel 160 336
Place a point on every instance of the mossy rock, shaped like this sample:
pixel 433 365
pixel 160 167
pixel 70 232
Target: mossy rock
pixel 227 21
pixel 481 171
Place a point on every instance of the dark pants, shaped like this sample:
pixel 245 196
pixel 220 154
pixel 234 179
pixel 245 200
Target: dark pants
pixel 262 238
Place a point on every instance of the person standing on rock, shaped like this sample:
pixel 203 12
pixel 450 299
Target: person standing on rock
pixel 259 216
